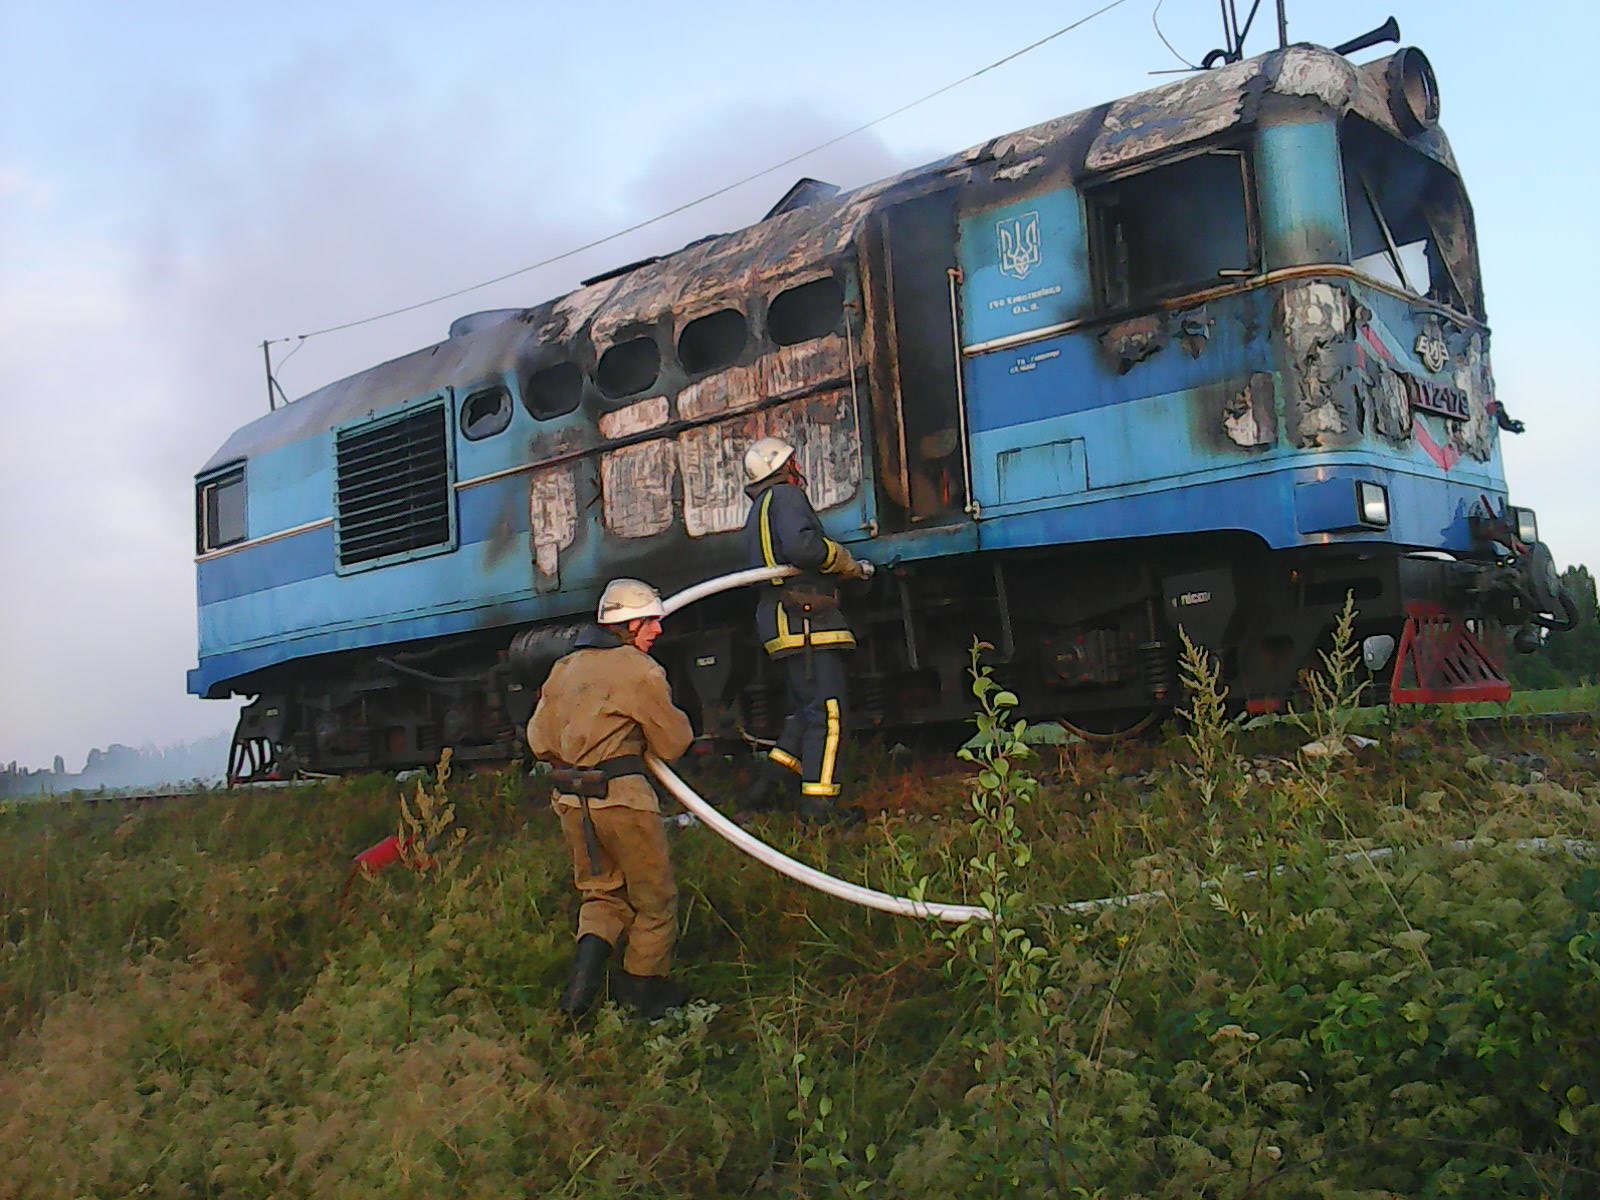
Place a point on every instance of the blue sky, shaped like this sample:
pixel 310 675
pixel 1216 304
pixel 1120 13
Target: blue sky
pixel 179 181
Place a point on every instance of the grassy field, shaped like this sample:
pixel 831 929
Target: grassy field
pixel 197 999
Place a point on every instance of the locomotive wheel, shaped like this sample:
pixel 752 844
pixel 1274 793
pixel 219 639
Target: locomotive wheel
pixel 1118 726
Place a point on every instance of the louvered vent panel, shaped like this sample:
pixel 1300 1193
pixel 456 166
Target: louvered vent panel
pixel 394 487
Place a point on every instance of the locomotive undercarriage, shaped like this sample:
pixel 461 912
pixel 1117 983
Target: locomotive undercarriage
pixel 1087 638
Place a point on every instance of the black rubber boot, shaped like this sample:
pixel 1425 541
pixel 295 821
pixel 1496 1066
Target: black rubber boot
pixel 649 995
pixel 588 975
pixel 769 791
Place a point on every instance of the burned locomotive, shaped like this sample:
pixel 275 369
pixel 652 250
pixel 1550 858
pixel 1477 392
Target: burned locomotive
pixel 1211 357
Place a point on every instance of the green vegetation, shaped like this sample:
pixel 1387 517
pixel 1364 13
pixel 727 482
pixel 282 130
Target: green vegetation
pixel 191 1003
pixel 1571 657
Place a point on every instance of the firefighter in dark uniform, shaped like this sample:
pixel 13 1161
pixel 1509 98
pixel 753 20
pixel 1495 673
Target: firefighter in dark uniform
pixel 802 630
pixel 604 705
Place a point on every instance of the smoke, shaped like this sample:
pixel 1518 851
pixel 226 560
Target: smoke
pixel 333 187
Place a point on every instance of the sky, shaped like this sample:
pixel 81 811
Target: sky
pixel 180 181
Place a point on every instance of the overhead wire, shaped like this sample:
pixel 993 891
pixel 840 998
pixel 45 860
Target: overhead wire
pixel 711 195
pixel 1154 15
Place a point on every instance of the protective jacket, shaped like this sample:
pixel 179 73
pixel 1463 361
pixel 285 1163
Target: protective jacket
pixel 783 528
pixel 608 700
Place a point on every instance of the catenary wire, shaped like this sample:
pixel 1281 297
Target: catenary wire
pixel 711 195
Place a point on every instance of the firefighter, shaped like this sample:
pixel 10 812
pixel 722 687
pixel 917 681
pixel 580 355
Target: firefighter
pixel 802 630
pixel 604 705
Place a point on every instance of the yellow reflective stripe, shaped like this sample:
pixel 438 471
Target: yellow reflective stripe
pixel 766 535
pixel 830 746
pixel 796 641
pixel 784 759
pixel 819 789
pixel 787 639
pixel 833 555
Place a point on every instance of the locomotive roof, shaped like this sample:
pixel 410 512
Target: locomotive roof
pixel 791 246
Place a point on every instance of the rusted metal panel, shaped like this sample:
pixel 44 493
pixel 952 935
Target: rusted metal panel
pixel 636 486
pixel 786 369
pixel 552 520
pixel 822 429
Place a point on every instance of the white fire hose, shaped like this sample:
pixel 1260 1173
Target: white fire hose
pixel 855 893
pixel 904 906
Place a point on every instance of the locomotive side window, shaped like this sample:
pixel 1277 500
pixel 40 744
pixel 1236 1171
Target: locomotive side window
pixel 628 367
pixel 1410 226
pixel 554 391
pixel 712 342
pixel 220 510
pixel 811 310
pixel 1173 229
pixel 485 413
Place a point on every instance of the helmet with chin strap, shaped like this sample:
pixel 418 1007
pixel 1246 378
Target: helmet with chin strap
pixel 628 600
pixel 766 458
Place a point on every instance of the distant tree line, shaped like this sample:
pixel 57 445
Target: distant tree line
pixel 119 766
pixel 1570 658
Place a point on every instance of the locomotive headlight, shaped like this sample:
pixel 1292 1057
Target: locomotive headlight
pixel 1372 502
pixel 1527 525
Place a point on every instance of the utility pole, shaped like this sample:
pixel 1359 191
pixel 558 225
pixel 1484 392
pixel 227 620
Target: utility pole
pixel 266 355
pixel 1283 24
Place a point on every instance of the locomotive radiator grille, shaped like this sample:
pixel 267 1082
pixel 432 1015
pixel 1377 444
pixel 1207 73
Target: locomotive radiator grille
pixel 393 491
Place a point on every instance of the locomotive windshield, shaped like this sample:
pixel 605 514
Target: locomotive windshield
pixel 1410 226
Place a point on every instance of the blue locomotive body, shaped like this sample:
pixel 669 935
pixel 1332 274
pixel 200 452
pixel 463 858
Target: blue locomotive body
pixel 1208 358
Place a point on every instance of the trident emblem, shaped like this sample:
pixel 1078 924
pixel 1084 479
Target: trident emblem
pixel 1017 239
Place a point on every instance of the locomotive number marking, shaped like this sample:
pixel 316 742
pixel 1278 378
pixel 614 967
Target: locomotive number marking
pixel 1438 398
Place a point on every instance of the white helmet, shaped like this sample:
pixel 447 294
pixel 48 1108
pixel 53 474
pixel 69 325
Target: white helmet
pixel 626 600
pixel 766 458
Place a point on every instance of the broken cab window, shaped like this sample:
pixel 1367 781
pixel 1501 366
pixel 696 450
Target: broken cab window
pixel 221 510
pixel 628 367
pixel 712 342
pixel 811 310
pixel 554 391
pixel 1173 229
pixel 485 413
pixel 1410 226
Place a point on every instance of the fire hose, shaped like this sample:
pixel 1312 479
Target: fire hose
pixel 389 850
pixel 958 913
pixel 855 893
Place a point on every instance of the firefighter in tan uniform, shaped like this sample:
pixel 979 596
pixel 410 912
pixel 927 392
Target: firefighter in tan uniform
pixel 604 705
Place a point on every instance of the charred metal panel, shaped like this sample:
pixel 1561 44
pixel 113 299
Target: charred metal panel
pixel 822 429
pixel 786 369
pixel 635 418
pixel 1251 416
pixel 1424 377
pixel 1160 119
pixel 1130 342
pixel 1474 437
pixel 636 483
pixel 552 521
pixel 1316 319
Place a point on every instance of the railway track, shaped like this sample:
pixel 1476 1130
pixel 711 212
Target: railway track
pixel 1487 728
pixel 1549 722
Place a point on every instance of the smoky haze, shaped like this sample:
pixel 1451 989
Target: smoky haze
pixel 350 192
